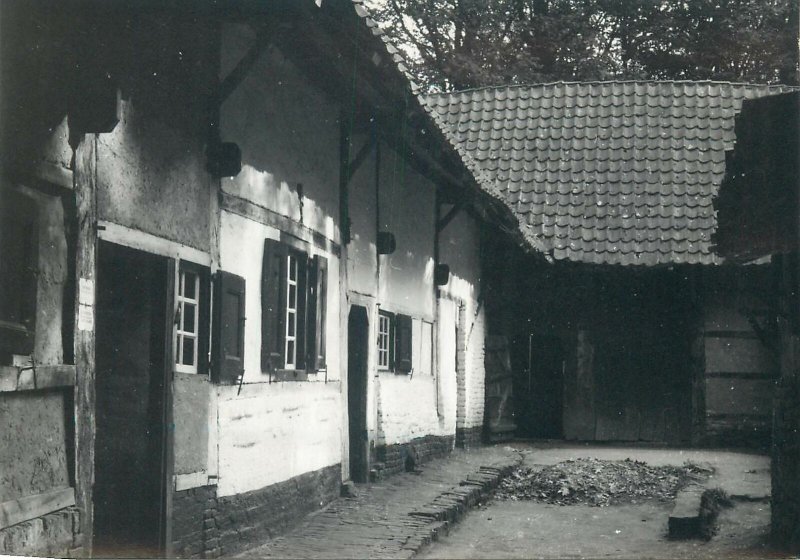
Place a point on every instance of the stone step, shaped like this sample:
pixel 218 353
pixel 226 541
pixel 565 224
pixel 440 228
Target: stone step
pixel 694 514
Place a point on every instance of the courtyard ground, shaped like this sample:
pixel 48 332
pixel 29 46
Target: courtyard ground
pixel 384 520
pixel 528 529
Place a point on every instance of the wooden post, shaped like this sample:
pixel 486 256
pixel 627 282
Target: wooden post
pixel 84 180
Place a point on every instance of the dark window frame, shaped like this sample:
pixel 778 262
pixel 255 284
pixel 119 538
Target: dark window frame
pixel 310 317
pixel 400 343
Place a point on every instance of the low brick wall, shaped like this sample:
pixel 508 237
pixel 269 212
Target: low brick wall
pixel 56 534
pixel 251 518
pixel 207 526
pixel 392 459
pixel 194 532
pixel 467 438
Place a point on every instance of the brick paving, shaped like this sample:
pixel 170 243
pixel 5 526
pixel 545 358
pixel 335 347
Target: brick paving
pixel 396 517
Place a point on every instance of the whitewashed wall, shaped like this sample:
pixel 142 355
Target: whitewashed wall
pixel 289 136
pixel 459 247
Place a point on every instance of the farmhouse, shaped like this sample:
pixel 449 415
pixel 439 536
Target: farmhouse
pixel 240 266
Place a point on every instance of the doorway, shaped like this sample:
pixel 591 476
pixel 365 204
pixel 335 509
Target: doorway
pixel 539 394
pixel 358 352
pixel 131 363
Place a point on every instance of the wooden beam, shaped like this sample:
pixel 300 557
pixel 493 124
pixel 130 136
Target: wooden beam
pixel 31 507
pixel 361 156
pixel 252 211
pixel 166 508
pixel 14 378
pixel 243 67
pixel 149 243
pixel 85 178
pixel 442 223
pixel 345 139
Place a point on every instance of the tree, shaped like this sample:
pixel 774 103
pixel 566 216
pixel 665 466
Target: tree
pixel 457 44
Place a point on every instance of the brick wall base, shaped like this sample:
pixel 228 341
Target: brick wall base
pixel 194 532
pixel 467 438
pixel 207 526
pixel 392 459
pixel 252 518
pixel 56 534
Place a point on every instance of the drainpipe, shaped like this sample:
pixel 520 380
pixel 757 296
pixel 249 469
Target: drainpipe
pixel 436 293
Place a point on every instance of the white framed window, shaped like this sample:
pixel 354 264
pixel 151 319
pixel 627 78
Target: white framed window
pixel 290 351
pixel 187 338
pixel 384 340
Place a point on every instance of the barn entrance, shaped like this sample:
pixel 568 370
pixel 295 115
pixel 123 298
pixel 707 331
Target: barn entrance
pixel 357 351
pixel 539 392
pixel 131 354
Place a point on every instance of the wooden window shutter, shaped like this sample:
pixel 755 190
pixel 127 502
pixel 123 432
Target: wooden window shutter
pixel 392 341
pixel 229 319
pixel 302 307
pixel 204 363
pixel 315 312
pixel 273 305
pixel 19 262
pixel 403 343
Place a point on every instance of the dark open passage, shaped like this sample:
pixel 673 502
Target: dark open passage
pixel 131 366
pixel 358 340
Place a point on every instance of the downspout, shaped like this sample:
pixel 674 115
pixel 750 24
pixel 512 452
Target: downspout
pixel 435 346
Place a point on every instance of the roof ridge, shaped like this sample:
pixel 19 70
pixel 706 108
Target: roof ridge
pixel 607 82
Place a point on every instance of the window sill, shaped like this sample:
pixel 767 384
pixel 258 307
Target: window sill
pixel 289 375
pixel 395 372
pixel 26 378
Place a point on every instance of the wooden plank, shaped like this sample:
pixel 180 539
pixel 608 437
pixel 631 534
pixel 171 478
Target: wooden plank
pixel 62 375
pixel 85 178
pixel 166 509
pixel 252 211
pixel 149 243
pixel 14 378
pixel 31 507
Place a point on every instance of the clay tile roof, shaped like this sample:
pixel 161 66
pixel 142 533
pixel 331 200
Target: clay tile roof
pixel 603 172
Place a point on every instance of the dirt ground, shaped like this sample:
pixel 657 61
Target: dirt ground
pixel 527 529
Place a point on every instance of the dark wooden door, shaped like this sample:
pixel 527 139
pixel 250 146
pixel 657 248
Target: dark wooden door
pixel 358 350
pixel 131 384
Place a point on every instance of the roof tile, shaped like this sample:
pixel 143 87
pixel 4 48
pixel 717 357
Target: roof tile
pixel 603 172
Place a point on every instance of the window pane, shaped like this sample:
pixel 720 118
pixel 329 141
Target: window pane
pixel 290 352
pixel 292 268
pixel 292 296
pixel 290 325
pixel 189 285
pixel 189 310
pixel 188 351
